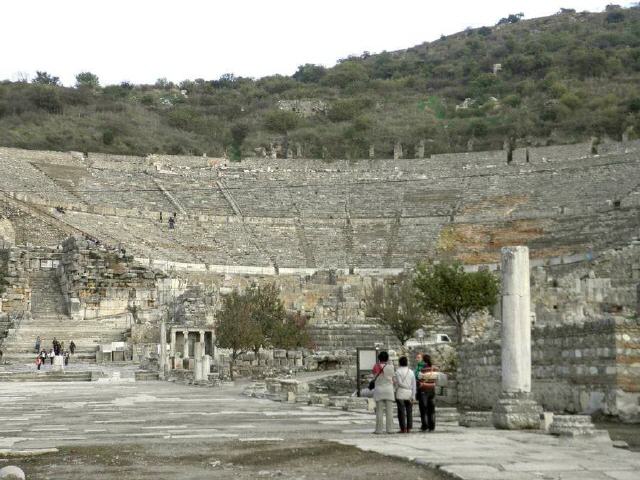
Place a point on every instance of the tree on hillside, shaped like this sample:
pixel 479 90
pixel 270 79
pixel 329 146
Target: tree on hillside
pixel 239 132
pixel 310 73
pixel 280 121
pixel 448 290
pixel 87 80
pixel 513 18
pixel 43 78
pixel 394 305
pixel 235 329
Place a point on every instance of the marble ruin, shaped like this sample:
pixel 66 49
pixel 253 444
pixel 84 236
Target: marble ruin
pixel 88 253
pixel 515 409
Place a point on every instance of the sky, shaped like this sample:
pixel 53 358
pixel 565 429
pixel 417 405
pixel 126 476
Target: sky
pixel 143 40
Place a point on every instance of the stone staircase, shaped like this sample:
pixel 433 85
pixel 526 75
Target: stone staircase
pixel 49 319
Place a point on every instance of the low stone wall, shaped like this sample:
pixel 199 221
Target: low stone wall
pixel 583 368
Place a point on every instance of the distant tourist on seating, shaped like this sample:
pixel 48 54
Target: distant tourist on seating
pixel 52 354
pixel 38 361
pixel 172 223
pixel 38 342
pixel 56 346
pixel 405 382
pixel 72 347
pixel 427 393
pixel 66 357
pixel 383 393
pixel 43 355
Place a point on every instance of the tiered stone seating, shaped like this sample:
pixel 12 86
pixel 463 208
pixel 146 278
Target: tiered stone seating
pixel 363 214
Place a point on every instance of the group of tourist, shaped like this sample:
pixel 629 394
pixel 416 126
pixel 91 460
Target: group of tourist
pixel 57 349
pixel 403 387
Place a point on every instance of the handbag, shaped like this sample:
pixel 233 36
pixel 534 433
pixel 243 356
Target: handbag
pixel 427 380
pixel 372 383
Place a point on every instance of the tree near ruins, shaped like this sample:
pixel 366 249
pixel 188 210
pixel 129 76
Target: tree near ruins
pixel 267 314
pixel 448 290
pixel 292 332
pixel 394 304
pixel 236 330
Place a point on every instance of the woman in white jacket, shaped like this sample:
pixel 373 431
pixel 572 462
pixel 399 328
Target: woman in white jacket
pixel 383 393
pixel 405 383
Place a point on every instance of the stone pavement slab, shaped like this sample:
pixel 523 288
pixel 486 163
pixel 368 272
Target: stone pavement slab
pixel 87 413
pixel 483 454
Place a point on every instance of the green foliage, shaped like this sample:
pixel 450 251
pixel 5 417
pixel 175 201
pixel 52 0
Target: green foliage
pixel 44 78
pixel 235 328
pixel 558 75
pixel 280 121
pixel 309 73
pixel 239 132
pixel 395 306
pixel 108 136
pixel 292 333
pixel 346 74
pixel 513 18
pixel 87 80
pixel 448 290
pixel 348 109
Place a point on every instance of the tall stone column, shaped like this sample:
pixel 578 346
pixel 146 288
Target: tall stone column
pixel 185 348
pixel 163 350
pixel 173 342
pixel 515 408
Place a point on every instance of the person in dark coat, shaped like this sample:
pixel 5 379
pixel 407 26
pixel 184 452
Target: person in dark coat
pixel 426 393
pixel 72 347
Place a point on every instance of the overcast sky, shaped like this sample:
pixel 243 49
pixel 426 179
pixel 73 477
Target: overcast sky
pixel 142 40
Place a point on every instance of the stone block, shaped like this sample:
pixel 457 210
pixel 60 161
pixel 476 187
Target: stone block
pixel 319 399
pixel 339 401
pixel 516 411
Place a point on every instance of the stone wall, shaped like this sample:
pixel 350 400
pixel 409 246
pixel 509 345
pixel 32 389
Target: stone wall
pixel 101 282
pixel 586 368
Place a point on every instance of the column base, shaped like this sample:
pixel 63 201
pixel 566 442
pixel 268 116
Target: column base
pixel 516 411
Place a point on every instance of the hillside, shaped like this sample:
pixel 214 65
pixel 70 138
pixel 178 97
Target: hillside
pixel 563 79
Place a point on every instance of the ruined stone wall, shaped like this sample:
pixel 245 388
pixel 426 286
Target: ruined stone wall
pixel 604 284
pixel 99 282
pixel 583 368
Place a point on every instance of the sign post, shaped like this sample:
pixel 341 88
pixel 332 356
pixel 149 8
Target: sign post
pixel 365 360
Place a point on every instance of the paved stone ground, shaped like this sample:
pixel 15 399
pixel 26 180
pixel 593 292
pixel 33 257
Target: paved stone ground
pixel 160 417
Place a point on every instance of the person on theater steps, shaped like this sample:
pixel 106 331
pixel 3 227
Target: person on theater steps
pixel 72 347
pixel 405 382
pixel 383 393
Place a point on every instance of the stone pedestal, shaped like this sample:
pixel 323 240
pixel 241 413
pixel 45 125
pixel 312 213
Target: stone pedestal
pixel 515 408
pixel 516 411
pixel 58 363
pixel 197 370
pixel 577 427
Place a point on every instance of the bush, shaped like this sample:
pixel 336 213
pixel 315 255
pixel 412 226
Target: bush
pixel 108 137
pixel 280 121
pixel 87 80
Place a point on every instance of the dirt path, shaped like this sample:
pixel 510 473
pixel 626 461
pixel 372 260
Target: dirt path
pixel 307 459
